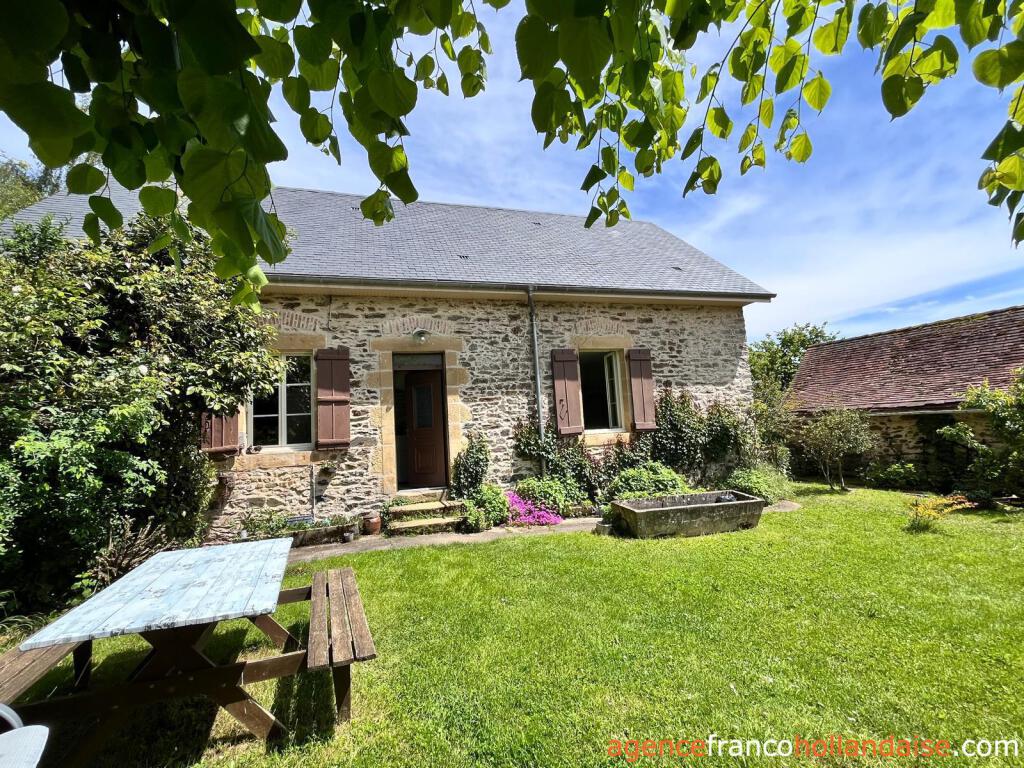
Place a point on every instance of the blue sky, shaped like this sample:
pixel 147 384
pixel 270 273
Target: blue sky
pixel 883 226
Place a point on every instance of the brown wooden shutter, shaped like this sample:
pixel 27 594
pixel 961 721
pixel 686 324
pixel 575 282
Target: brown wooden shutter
pixel 219 433
pixel 641 384
pixel 565 370
pixel 333 398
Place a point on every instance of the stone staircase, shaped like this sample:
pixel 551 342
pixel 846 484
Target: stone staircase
pixel 428 512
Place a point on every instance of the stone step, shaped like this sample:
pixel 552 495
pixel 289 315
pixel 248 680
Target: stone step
pixel 425 509
pixel 422 494
pixel 419 526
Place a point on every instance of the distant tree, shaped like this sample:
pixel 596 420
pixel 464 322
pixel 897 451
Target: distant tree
pixel 830 436
pixel 22 184
pixel 775 359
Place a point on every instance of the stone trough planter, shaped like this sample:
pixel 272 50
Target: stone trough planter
pixel 692 514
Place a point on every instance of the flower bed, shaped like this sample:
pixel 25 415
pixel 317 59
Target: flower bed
pixel 525 512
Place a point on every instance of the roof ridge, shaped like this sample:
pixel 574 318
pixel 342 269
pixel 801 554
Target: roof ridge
pixel 477 206
pixel 916 326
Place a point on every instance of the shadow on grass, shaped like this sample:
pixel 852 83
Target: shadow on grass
pixel 166 733
pixel 305 705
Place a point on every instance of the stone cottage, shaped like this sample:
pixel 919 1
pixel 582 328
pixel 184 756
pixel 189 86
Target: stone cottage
pixel 403 339
pixel 911 381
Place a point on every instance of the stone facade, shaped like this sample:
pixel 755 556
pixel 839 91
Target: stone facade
pixel 487 351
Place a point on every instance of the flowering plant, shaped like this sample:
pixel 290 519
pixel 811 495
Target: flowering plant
pixel 526 512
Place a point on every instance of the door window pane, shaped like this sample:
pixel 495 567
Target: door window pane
pixel 423 406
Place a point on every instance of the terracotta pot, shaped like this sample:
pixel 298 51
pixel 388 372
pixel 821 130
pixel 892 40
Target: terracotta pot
pixel 371 525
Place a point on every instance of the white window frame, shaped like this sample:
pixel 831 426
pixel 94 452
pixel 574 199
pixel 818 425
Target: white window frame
pixel 618 358
pixel 282 410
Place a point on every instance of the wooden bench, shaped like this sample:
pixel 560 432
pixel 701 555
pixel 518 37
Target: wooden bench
pixel 20 670
pixel 339 634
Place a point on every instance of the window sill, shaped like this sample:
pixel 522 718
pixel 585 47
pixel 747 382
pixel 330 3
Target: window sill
pixel 596 438
pixel 279 457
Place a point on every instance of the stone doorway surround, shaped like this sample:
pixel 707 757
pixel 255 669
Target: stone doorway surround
pixel 414 334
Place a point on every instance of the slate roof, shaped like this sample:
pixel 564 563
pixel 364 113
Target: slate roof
pixel 441 244
pixel 925 367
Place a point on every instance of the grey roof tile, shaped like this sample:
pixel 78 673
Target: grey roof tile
pixel 451 244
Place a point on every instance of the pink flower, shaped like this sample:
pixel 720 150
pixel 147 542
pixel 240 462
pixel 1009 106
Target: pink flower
pixel 525 512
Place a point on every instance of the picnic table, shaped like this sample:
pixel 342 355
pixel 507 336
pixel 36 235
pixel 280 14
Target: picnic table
pixel 174 601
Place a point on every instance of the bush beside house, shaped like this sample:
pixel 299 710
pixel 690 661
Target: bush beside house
pixel 110 353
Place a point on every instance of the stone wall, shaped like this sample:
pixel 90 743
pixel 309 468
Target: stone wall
pixel 489 376
pixel 900 436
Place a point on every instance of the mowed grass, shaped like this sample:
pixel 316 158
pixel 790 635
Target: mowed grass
pixel 538 650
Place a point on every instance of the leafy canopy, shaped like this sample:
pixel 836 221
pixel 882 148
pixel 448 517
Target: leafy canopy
pixel 178 91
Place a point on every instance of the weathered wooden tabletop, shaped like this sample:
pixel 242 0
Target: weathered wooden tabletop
pixel 177 589
pixel 23 747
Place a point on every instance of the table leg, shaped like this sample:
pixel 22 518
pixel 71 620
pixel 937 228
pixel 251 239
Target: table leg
pixel 280 636
pixel 343 691
pixel 82 657
pixel 181 650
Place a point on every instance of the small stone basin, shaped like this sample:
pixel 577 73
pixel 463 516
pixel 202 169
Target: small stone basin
pixel 692 514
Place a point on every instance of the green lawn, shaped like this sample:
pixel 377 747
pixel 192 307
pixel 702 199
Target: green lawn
pixel 538 650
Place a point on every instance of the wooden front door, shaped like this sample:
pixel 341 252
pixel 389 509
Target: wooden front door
pixel 425 429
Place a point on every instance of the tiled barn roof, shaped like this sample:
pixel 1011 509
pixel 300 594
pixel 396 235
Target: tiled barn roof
pixel 924 367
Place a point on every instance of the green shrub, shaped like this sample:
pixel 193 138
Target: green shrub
pixel 470 468
pixel 764 482
pixel 563 457
pixel 477 518
pixel 646 481
pixel 898 475
pixel 493 503
pixel 553 493
pixel 109 354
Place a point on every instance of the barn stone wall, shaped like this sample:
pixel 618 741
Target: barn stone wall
pixel 488 360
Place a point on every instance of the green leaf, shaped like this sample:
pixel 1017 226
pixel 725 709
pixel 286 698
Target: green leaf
pixel 447 47
pixel 719 123
pixel 708 83
pixel 439 12
pixel 296 93
pixel 159 242
pixel 105 209
pixel 939 61
pixel 816 92
pixel 900 94
pixel 85 179
pixel 320 77
pixel 998 68
pixel 749 134
pixel 693 142
pixel 30 27
pixel 800 147
pixel 377 207
pixel 536 47
pixel 626 179
pixel 593 216
pixel 594 175
pixel 831 38
pixel 392 91
pixel 767 113
pixel 425 67
pixel 442 84
pixel 1017 106
pixel 313 43
pixel 279 10
pixel 585 46
pixel 275 58
pixel 214 34
pixel 157 167
pixel 315 126
pixel 91 227
pixel 872 22
pixel 158 201
pixel 1009 139
pixel 975 24
pixel 1010 172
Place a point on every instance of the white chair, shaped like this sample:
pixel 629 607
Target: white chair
pixel 23 745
